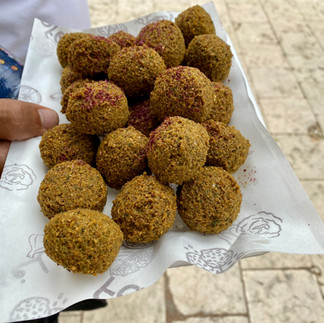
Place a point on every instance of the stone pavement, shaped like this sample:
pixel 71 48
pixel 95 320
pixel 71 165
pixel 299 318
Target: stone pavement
pixel 280 44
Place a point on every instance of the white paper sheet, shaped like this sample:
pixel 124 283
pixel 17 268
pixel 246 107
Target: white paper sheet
pixel 276 214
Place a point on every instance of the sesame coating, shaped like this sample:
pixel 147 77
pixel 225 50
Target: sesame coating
pixel 91 56
pixel 211 55
pixel 194 21
pixel 122 38
pixel 223 103
pixel 134 69
pixel 177 149
pixel 82 241
pixel 121 156
pixel 64 44
pixel 69 185
pixel 210 202
pixel 64 142
pixel 166 38
pixel 227 147
pixel 145 209
pixel 182 91
pixel 98 108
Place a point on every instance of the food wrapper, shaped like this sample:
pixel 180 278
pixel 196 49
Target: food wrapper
pixel 276 214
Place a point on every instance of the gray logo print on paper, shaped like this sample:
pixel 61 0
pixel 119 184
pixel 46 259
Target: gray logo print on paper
pixel 37 307
pixel 262 224
pixel 152 18
pixel 106 31
pixel 127 262
pixel 17 177
pixel 29 94
pixel 215 260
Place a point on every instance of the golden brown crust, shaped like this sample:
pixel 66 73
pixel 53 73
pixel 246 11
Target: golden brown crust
pixel 64 142
pixel 177 149
pixel 69 185
pixel 211 201
pixel 121 156
pixel 82 241
pixel 145 209
pixel 227 147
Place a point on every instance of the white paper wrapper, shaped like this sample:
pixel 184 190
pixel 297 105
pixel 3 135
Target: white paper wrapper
pixel 276 214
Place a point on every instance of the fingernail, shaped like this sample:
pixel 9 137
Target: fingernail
pixel 49 118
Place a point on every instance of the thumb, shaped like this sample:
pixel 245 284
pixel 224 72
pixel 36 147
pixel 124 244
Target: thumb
pixel 21 120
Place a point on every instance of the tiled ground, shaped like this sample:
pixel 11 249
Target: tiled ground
pixel 281 46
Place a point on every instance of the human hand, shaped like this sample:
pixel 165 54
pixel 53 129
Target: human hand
pixel 21 120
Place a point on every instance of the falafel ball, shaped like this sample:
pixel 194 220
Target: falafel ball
pixel 145 209
pixel 182 91
pixel 97 108
pixel 194 21
pixel 63 46
pixel 70 185
pixel 227 147
pixel 82 241
pixel 211 55
pixel 141 117
pixel 135 69
pixel 177 150
pixel 68 77
pixel 64 142
pixel 121 156
pixel 70 89
pixel 210 202
pixel 91 56
pixel 122 38
pixel 166 38
pixel 223 103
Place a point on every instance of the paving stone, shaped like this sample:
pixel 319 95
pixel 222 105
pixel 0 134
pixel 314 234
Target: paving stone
pixel 263 55
pixel 275 83
pixel 311 10
pixel 315 191
pixel 70 317
pixel 300 152
pixel 308 69
pixel 195 290
pixel 246 11
pixel 318 262
pixel 147 306
pixel 227 319
pixel 317 28
pixel 283 296
pixel 254 33
pixel 277 260
pixel 288 115
pixel 314 95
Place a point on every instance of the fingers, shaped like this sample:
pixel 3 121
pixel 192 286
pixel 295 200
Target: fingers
pixel 4 148
pixel 21 120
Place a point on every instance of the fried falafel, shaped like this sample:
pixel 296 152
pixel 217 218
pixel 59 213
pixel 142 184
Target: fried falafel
pixel 166 38
pixel 227 147
pixel 145 209
pixel 70 185
pixel 134 69
pixel 211 201
pixel 97 108
pixel 177 149
pixel 194 21
pixel 121 156
pixel 182 91
pixel 122 38
pixel 211 55
pixel 82 241
pixel 64 142
pixel 91 56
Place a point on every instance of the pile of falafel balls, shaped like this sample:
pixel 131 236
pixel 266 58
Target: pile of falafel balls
pixel 145 112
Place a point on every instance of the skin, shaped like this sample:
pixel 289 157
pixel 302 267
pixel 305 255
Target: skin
pixel 21 120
